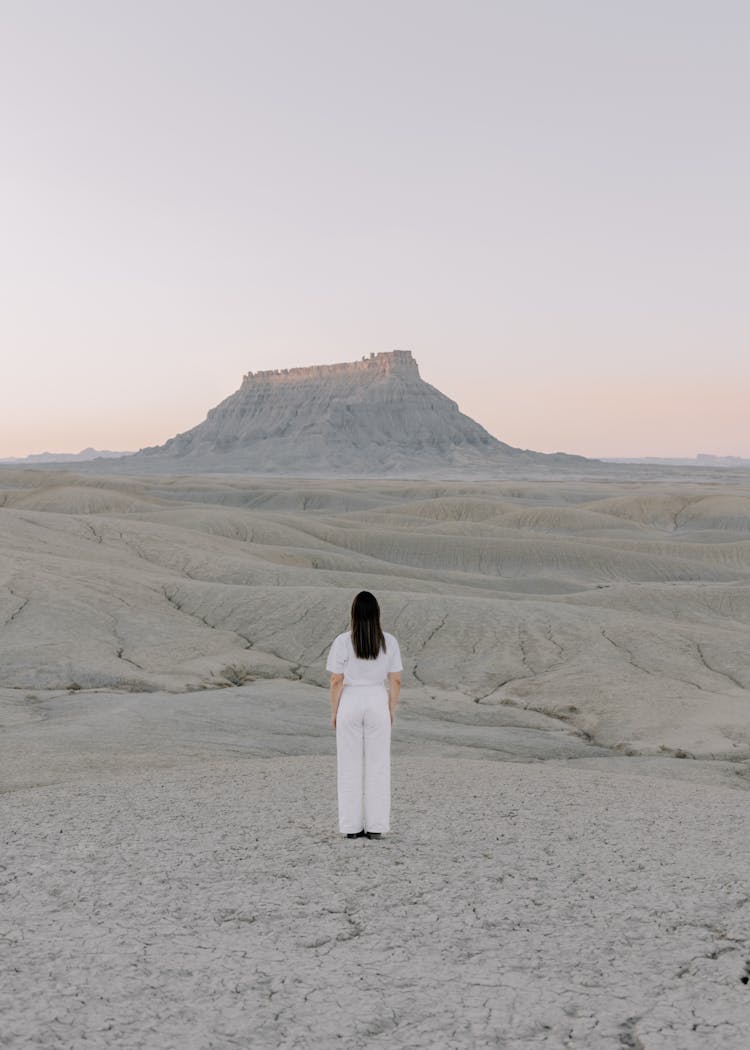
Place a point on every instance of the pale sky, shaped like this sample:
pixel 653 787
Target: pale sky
pixel 546 202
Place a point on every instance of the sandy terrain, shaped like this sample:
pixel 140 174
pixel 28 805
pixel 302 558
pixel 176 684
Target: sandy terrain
pixel 621 609
pixel 569 859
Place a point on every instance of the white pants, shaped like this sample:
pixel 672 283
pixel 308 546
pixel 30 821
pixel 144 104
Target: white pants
pixel 363 754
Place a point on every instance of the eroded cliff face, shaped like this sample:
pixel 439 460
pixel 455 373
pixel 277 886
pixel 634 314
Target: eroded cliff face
pixel 374 416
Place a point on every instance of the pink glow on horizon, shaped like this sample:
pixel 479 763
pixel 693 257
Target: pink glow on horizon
pixel 664 419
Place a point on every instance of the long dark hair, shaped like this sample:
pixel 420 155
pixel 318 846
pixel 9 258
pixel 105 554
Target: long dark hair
pixel 367 635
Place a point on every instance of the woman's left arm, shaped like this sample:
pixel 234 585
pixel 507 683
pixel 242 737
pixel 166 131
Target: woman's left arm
pixel 337 688
pixel 394 689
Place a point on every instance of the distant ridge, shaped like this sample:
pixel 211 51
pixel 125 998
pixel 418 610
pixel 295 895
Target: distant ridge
pixel 375 417
pixel 83 456
pixel 703 459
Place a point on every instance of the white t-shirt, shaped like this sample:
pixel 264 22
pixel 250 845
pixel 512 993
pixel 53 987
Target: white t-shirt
pixel 343 660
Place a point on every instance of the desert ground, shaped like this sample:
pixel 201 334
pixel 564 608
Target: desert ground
pixel 569 861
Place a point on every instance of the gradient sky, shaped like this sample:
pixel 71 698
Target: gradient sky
pixel 546 202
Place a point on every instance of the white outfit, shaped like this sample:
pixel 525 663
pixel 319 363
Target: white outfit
pixel 363 735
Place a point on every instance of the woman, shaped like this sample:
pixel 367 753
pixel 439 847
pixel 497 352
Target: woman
pixel 362 713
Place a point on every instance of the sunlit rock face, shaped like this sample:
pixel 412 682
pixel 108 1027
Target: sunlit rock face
pixel 375 416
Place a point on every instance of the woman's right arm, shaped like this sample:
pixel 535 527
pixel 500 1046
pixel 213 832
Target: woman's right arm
pixel 337 688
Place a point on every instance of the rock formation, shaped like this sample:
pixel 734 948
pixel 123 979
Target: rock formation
pixel 370 417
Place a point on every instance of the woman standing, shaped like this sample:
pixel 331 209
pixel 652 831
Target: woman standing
pixel 361 660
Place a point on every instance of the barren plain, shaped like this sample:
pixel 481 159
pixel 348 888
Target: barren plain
pixel 568 865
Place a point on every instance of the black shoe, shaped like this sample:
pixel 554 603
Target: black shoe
pixel 356 834
pixel 373 834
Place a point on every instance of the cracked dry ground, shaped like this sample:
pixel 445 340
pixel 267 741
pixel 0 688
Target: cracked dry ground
pixel 513 906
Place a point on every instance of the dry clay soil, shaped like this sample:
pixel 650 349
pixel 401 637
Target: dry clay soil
pixel 569 857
